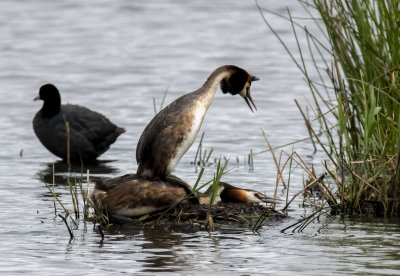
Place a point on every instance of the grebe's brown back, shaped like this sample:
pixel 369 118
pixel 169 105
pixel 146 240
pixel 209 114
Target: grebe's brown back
pixel 130 196
pixel 173 130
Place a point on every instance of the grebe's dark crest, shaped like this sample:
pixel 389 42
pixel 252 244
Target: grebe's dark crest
pixel 173 130
pixel 230 193
pixel 130 196
pixel 91 134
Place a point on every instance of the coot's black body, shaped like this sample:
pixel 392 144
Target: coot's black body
pixel 91 133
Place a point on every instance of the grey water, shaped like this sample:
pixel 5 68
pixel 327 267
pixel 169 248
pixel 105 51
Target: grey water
pixel 117 57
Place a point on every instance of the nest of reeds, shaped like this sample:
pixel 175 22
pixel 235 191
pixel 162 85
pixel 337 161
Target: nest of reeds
pixel 250 215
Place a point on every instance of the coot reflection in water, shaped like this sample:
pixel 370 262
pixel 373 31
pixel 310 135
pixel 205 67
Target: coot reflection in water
pixel 100 168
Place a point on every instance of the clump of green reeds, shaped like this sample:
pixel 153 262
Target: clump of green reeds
pixel 82 207
pixel 214 188
pixel 202 157
pixel 356 96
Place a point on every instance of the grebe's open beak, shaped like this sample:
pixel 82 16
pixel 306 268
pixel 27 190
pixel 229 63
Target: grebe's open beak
pixel 247 96
pixel 249 100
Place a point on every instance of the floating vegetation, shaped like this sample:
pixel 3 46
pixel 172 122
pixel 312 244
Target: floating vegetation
pixel 197 216
pixel 79 209
pixel 202 157
pixel 82 208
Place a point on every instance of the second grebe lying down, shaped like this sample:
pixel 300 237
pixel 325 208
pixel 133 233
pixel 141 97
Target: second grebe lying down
pixel 130 195
pixel 229 193
pixel 173 130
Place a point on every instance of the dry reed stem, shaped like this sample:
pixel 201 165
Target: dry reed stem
pixel 287 161
pixel 68 144
pixel 391 159
pixel 320 183
pixel 316 137
pixel 276 164
pixel 337 182
pixel 277 175
pixel 209 223
pixel 302 164
pixel 365 182
pixel 364 161
pixel 300 192
pixel 331 199
pixel 308 125
pixel 322 186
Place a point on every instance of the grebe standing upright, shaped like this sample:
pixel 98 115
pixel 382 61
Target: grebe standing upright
pixel 173 130
pixel 91 133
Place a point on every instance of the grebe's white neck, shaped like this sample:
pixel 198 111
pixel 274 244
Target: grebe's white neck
pixel 199 110
pixel 210 87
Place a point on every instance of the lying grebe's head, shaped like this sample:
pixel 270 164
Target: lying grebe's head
pixel 234 194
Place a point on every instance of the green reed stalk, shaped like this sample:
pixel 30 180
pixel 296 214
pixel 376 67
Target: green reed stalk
pixel 217 177
pixel 214 188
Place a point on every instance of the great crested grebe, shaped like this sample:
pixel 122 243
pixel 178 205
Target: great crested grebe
pixel 91 134
pixel 229 193
pixel 173 130
pixel 130 196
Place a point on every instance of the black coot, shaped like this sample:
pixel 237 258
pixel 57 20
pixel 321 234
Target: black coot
pixel 91 133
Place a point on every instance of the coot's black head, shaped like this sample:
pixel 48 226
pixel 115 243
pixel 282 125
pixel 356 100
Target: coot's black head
pixel 52 100
pixel 239 82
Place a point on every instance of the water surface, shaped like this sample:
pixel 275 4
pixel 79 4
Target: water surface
pixel 115 57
